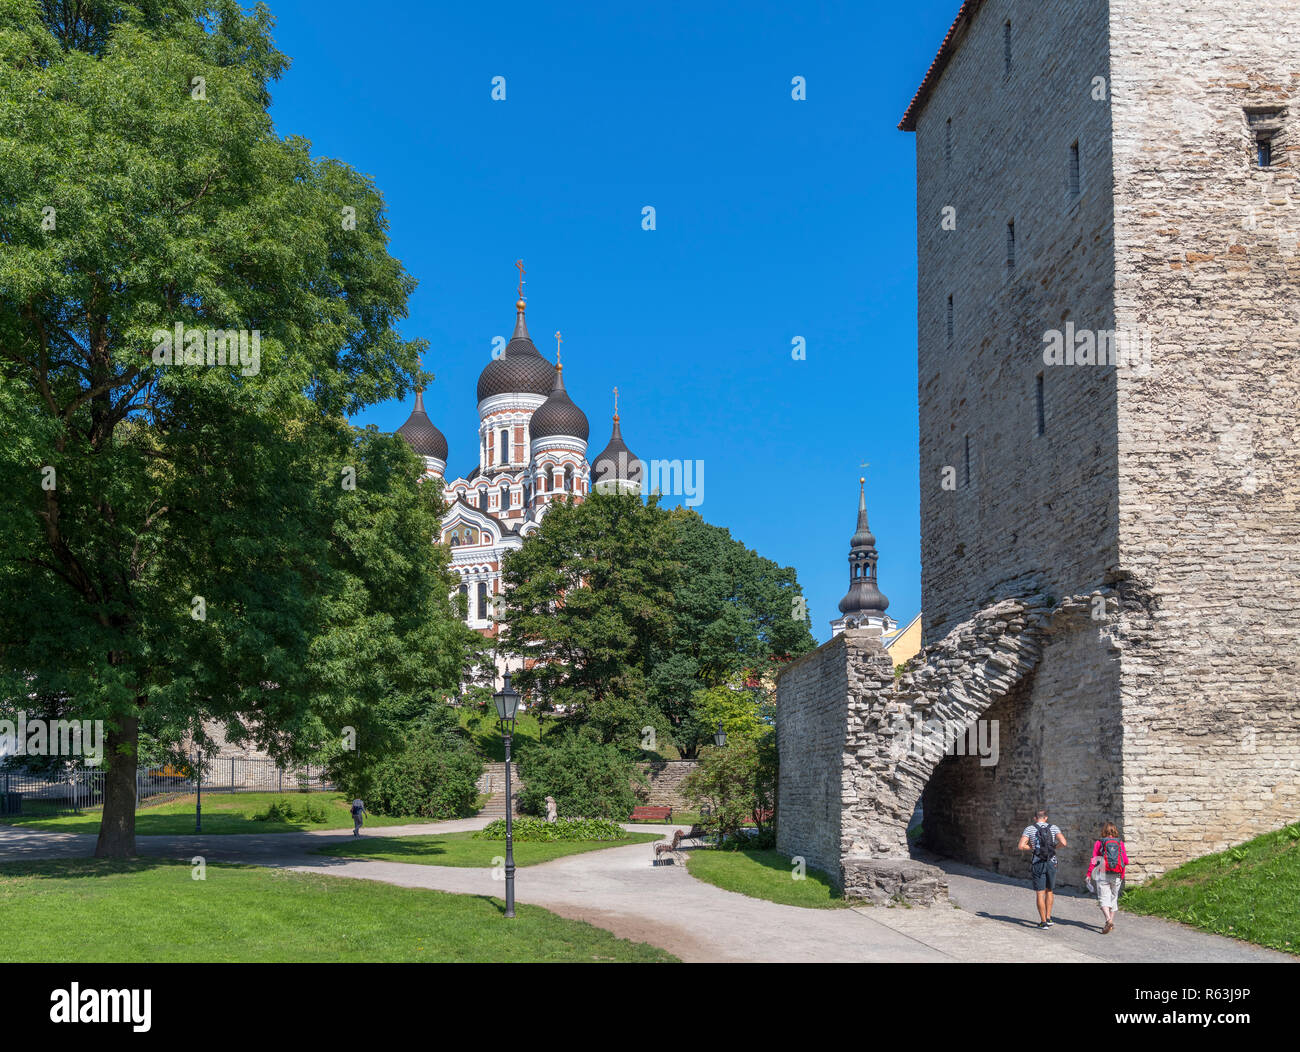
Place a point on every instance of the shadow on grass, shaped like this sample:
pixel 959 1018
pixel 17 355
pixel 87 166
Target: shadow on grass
pixel 80 868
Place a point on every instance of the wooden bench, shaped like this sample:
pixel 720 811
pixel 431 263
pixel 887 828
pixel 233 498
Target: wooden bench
pixel 760 816
pixel 651 814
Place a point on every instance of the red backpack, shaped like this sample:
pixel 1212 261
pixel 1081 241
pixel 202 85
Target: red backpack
pixel 1110 852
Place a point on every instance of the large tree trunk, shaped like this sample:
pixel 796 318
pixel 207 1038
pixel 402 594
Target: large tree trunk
pixel 117 829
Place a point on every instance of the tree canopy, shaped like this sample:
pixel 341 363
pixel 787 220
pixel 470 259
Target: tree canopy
pixel 637 616
pixel 194 537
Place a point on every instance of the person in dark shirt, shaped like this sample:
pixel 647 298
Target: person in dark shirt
pixel 1042 838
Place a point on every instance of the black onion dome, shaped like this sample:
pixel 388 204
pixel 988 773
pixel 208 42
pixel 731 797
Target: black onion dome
pixel 520 370
pixel 420 433
pixel 615 461
pixel 558 415
pixel 864 597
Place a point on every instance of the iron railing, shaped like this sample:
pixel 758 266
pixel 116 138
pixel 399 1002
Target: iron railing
pixel 76 789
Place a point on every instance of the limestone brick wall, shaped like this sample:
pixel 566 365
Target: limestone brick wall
pixel 1034 513
pixel 665 778
pixel 1208 260
pixel 811 717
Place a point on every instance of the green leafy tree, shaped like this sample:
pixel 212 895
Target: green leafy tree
pixel 735 786
pixel 179 542
pixel 587 778
pixel 736 618
pixel 736 708
pixel 589 599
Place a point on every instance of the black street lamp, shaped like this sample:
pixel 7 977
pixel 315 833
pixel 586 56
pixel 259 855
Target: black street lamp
pixel 198 791
pixel 720 736
pixel 507 702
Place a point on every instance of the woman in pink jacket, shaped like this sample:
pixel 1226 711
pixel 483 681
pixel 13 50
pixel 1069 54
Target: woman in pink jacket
pixel 1109 859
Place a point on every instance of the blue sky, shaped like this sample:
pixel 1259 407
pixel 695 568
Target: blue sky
pixel 775 219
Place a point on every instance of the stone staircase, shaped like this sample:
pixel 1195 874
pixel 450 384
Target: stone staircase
pixel 493 783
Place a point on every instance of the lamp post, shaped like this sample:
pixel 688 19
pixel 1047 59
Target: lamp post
pixel 198 792
pixel 720 736
pixel 507 702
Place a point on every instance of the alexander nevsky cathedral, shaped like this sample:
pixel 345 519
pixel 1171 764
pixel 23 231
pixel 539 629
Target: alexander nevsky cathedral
pixel 532 450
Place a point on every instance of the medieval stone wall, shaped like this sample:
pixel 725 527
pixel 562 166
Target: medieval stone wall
pixel 811 718
pixel 1035 512
pixel 1059 743
pixel 1208 261
pixel 1175 477
pixel 665 778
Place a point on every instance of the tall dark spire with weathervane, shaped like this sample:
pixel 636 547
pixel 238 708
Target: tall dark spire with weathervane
pixel 864 606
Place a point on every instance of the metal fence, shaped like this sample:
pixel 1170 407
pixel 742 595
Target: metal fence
pixel 79 789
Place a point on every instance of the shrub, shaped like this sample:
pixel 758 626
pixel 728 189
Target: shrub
pixel 586 779
pixel 287 811
pixel 731 784
pixel 529 828
pixel 434 776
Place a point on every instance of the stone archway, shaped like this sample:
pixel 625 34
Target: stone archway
pixel 901 733
pixel 843 703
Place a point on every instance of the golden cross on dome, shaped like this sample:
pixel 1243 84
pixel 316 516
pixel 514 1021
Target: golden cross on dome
pixel 615 403
pixel 558 340
pixel 520 264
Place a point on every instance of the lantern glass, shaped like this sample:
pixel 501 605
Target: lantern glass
pixel 507 703
pixel 720 737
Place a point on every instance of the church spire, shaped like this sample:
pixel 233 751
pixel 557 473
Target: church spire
pixel 864 604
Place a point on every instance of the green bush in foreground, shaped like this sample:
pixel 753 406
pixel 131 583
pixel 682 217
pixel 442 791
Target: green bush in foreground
pixel 528 828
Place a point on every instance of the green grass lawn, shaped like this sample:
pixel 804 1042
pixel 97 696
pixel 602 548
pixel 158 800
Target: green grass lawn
pixel 1250 892
pixel 763 875
pixel 461 849
pixel 482 730
pixel 222 813
pixel 94 910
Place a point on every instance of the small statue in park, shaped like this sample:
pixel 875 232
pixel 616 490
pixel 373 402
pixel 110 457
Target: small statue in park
pixel 550 809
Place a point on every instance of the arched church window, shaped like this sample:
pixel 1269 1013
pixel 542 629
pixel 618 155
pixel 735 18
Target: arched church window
pixel 505 497
pixel 568 479
pixel 464 600
pixel 505 447
pixel 482 500
pixel 482 600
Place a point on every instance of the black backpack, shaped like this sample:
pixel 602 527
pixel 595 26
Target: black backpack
pixel 1044 843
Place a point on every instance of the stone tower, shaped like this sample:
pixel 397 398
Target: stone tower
pixel 1109 364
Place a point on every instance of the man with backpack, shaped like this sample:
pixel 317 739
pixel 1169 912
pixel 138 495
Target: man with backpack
pixel 1042 839
pixel 1106 869
pixel 358 816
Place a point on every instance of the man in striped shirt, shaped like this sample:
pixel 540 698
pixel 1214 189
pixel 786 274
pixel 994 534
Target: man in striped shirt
pixel 1042 838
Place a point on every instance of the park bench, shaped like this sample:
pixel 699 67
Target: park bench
pixel 669 848
pixel 651 814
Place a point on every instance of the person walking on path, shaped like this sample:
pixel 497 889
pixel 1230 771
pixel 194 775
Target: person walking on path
pixel 358 815
pixel 1106 867
pixel 1042 838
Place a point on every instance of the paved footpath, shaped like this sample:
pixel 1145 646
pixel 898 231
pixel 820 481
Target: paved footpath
pixel 990 918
